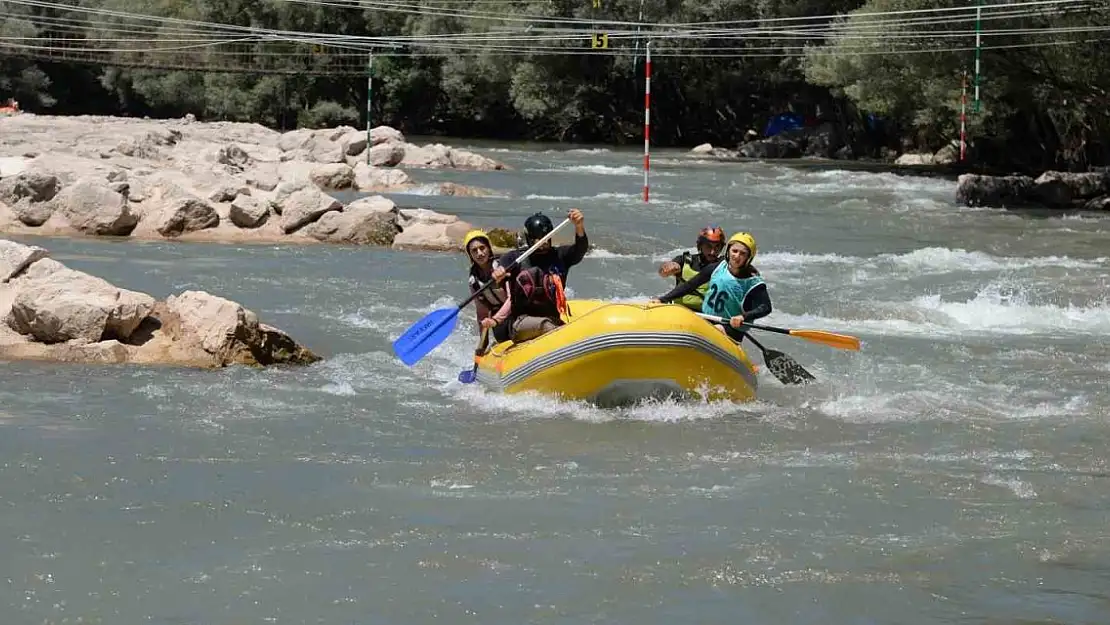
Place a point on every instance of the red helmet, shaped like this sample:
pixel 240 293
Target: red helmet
pixel 711 234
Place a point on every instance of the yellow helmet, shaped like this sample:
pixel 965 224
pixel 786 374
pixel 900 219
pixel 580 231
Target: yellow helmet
pixel 474 234
pixel 747 240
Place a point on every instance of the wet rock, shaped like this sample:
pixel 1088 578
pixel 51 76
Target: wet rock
pixel 50 312
pixel 993 191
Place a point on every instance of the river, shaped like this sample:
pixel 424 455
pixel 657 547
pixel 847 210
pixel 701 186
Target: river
pixel 952 471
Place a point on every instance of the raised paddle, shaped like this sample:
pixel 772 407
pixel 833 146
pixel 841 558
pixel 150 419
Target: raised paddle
pixel 425 335
pixel 467 376
pixel 783 367
pixel 839 341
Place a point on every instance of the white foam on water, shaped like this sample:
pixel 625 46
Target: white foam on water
pixel 579 198
pixel 932 260
pixel 928 260
pixel 1022 489
pixel 600 252
pixel 1072 406
pixel 579 151
pixel 603 170
pixel 996 309
pixel 532 405
pixel 822 180
pixel 423 189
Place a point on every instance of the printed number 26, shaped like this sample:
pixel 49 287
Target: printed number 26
pixel 715 298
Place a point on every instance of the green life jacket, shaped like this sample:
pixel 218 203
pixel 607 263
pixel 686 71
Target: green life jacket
pixel 694 300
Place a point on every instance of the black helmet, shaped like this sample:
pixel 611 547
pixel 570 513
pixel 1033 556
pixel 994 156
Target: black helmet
pixel 536 226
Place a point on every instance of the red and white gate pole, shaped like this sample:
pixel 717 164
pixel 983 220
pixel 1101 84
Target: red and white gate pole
pixel 647 118
pixel 963 118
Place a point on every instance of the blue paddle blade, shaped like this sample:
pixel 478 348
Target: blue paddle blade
pixel 425 335
pixel 467 376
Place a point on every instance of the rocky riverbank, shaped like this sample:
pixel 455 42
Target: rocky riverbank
pixel 50 312
pixel 220 181
pixel 826 141
pixel 1051 189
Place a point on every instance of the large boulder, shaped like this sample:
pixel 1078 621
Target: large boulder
pixel 993 191
pixel 15 258
pixel 55 304
pixel 182 215
pixel 380 179
pixel 1053 189
pixel 386 155
pixel 50 312
pixel 426 229
pixel 29 196
pixel 368 221
pixel 92 207
pixel 334 176
pixel 249 212
pixel 229 333
pixel 1081 185
pixel 305 206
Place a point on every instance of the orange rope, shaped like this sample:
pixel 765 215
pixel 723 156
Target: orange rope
pixel 560 296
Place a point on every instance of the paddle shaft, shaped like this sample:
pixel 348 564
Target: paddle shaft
pixel 467 376
pixel 743 325
pixel 783 367
pixel 519 259
pixel 831 339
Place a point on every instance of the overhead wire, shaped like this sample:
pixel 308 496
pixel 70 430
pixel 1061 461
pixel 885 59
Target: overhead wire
pixel 1027 7
pixel 861 27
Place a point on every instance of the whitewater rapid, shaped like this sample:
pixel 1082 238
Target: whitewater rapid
pixel 951 471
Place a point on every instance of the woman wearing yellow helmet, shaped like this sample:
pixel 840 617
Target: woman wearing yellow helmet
pixel 496 298
pixel 736 290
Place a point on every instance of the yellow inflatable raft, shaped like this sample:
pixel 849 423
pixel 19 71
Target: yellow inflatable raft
pixel 615 354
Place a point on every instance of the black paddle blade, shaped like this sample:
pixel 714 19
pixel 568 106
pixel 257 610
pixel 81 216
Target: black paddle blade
pixel 785 368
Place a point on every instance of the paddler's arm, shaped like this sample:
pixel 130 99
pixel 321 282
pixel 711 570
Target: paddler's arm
pixel 760 301
pixel 690 285
pixel 573 254
pixel 502 313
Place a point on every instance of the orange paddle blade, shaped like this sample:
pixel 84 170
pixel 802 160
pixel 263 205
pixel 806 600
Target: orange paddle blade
pixel 839 341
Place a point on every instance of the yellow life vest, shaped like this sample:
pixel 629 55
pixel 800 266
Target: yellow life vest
pixel 693 300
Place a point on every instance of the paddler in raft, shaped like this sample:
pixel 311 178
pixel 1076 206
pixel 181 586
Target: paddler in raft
pixel 535 287
pixel 736 291
pixel 707 251
pixel 493 304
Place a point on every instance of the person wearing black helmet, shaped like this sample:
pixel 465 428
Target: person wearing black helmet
pixel 536 285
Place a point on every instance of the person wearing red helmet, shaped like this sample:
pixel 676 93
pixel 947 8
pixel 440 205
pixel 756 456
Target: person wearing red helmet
pixel 736 290
pixel 711 240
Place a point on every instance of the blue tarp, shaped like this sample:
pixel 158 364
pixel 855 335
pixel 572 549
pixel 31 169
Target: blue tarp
pixel 783 122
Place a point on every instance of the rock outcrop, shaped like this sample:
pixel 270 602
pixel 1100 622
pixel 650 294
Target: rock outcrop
pixel 50 312
pixel 233 182
pixel 1052 189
